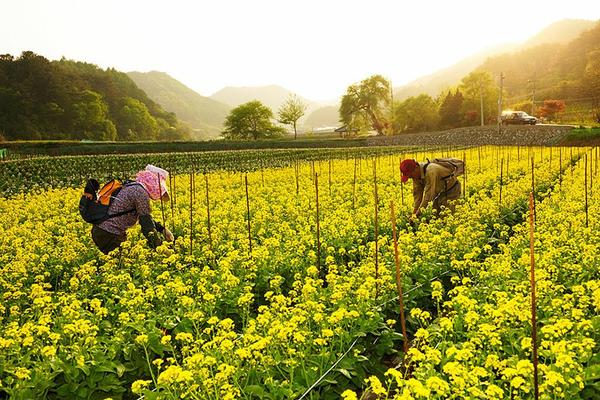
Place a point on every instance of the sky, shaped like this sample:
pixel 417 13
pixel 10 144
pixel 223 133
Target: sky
pixel 315 48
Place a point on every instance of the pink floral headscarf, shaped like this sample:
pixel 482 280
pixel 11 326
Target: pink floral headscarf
pixel 149 180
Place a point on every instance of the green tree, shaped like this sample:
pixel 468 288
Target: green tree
pixel 291 111
pixel 91 118
pixel 367 101
pixel 251 120
pixel 416 114
pixel 450 110
pixel 478 86
pixel 591 82
pixel 135 121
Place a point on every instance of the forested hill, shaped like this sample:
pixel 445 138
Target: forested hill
pixel 42 99
pixel 203 114
pixel 570 72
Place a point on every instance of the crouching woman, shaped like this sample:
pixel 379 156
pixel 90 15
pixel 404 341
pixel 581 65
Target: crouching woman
pixel 130 205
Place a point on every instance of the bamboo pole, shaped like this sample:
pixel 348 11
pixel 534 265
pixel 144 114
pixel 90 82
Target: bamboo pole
pixel 465 175
pixel 560 170
pixel 571 161
pixel 354 185
pixel 208 212
pixel 586 191
pixel 316 179
pixel 329 171
pixel 297 170
pixel 399 280
pixel 162 204
pixel 533 298
pixel 171 195
pixel 191 212
pixel 376 228
pixel 501 172
pixel 591 177
pixel 248 211
pixel 533 185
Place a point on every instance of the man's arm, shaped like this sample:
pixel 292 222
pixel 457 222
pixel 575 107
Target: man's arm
pixel 429 191
pixel 417 195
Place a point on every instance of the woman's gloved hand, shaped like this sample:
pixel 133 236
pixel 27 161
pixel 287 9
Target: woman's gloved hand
pixel 168 235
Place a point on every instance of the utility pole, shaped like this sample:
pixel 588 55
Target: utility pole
pixel 481 100
pixel 500 101
pixel 533 100
pixel 391 108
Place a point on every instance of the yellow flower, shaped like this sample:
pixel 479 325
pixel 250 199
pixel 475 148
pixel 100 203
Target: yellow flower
pixel 375 385
pixel 138 386
pixel 184 337
pixel 165 340
pixel 22 373
pixel 349 395
pixel 494 392
pixel 142 339
pixel 48 351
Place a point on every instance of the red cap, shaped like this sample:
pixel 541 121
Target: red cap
pixel 407 167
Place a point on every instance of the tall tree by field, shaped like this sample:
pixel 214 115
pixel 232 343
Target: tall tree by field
pixel 551 109
pixel 591 82
pixel 367 101
pixel 478 86
pixel 416 114
pixel 251 120
pixel 291 111
pixel 42 99
pixel 450 110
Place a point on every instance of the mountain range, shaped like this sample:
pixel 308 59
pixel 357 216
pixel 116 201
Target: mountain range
pixel 206 114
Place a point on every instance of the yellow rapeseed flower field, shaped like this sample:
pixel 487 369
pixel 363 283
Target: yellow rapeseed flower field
pixel 259 304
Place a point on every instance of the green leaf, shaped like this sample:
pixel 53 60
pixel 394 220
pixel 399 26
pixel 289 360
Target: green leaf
pixel 592 373
pixel 344 372
pixel 255 390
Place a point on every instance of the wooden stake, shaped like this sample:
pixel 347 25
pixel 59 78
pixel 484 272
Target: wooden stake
pixel 560 173
pixel 533 299
pixel 208 211
pixel 171 196
pixel 501 172
pixel 316 179
pixel 354 185
pixel 571 161
pixel 586 190
pixel 465 175
pixel 533 185
pixel 297 168
pixel 399 280
pixel 329 171
pixel 162 204
pixel 248 209
pixel 191 212
pixel 376 228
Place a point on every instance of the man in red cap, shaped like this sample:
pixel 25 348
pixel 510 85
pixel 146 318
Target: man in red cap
pixel 432 183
